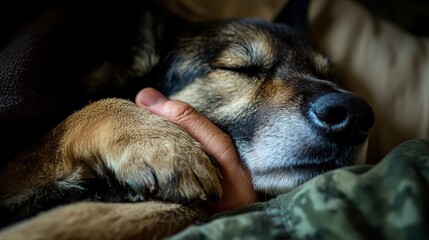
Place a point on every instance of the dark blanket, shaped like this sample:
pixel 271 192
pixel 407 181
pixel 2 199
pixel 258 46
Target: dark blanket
pixel 46 47
pixel 26 35
pixel 386 201
pixel 41 48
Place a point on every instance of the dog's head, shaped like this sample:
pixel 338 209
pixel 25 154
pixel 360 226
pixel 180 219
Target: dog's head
pixel 271 92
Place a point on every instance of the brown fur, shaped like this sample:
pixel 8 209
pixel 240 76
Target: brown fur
pixel 100 221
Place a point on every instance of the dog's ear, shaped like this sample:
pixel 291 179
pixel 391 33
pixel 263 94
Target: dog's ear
pixel 295 15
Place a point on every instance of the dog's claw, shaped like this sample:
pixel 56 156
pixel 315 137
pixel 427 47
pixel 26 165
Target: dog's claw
pixel 145 184
pixel 203 197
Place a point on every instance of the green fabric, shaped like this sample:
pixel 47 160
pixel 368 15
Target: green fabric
pixel 387 201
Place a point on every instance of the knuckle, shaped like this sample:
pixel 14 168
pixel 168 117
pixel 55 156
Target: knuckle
pixel 181 112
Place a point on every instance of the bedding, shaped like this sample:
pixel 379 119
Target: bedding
pixel 387 201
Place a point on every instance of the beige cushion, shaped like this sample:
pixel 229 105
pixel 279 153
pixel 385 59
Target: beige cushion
pixel 198 10
pixel 382 63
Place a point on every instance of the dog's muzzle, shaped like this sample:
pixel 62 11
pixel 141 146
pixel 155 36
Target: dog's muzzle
pixel 342 117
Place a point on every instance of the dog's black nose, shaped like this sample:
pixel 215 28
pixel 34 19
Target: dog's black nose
pixel 342 117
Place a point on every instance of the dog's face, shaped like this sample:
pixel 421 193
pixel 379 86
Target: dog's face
pixel 269 90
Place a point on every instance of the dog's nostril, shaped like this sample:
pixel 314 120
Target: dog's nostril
pixel 330 112
pixel 331 115
pixel 341 116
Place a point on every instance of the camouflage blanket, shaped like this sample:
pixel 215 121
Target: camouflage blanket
pixel 387 201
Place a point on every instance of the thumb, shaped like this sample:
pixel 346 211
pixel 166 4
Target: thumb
pixel 176 111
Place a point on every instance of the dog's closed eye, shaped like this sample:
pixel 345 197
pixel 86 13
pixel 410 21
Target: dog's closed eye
pixel 250 71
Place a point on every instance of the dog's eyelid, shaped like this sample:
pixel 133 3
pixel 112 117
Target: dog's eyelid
pixel 251 70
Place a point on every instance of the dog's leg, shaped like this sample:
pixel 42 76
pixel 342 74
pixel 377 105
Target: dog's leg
pixel 113 137
pixel 103 221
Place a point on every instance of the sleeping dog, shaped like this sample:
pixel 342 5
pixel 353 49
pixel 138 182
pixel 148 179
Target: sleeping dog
pixel 261 82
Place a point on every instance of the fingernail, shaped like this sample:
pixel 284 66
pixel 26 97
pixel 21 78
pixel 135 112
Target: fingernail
pixel 149 97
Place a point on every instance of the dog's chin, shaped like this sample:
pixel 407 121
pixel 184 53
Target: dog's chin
pixel 280 177
pixel 279 181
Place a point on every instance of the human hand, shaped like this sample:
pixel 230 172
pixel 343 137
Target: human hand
pixel 236 182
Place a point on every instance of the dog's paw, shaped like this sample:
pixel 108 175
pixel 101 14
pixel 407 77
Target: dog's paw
pixel 170 167
pixel 158 159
